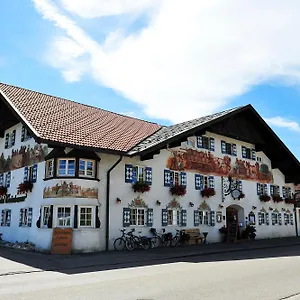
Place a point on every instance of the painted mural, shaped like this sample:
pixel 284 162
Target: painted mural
pixel 207 163
pixel 64 189
pixel 25 156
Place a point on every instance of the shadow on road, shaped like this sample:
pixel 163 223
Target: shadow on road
pixel 83 263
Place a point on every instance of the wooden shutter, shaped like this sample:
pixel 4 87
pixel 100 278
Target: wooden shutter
pixel 167 178
pixel 183 179
pixel 212 144
pixel 38 222
pixel 29 216
pixel 253 154
pixel 50 221
pixel 34 173
pixel 2 217
pixel 259 218
pixel 267 218
pixel 290 191
pixel 279 219
pixel 8 218
pixel 23 134
pixel 258 189
pixel 234 151
pixel 265 188
pixel 244 152
pixel 26 174
pixel 196 218
pixel 21 217
pixel 283 192
pixel 197 181
pixel 183 217
pixel 241 185
pixel 148 175
pixel 1 179
pixel 76 216
pixel 211 182
pixel 126 217
pixel 223 147
pixel 292 219
pixel 13 138
pixel 97 217
pixel 128 173
pixel 6 141
pixel 8 179
pixel 199 142
pixel 149 217
pixel 285 218
pixel 212 218
pixel 273 218
pixel 272 189
pixel 164 217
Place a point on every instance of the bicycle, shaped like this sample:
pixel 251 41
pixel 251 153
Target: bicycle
pixel 179 239
pixel 160 240
pixel 120 243
pixel 135 241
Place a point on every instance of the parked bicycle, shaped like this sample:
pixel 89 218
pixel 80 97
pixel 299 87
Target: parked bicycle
pixel 180 238
pixel 120 243
pixel 160 240
pixel 135 241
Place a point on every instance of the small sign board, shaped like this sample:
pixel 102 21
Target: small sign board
pixel 62 241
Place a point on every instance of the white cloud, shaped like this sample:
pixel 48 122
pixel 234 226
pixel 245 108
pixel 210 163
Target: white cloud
pixel 282 122
pixel 192 58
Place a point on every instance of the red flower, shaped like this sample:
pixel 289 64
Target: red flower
pixel 3 190
pixel 277 198
pixel 264 198
pixel 25 187
pixel 290 201
pixel 208 192
pixel 141 187
pixel 242 196
pixel 178 190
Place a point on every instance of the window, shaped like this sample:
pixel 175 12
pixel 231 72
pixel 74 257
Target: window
pixel 205 142
pixel 261 189
pixel 204 217
pixel 46 213
pixel 64 216
pixel 66 167
pixel 173 217
pixel 228 148
pixel 6 215
pixel 137 216
pixel 25 136
pixel 175 177
pixel 49 168
pixel 275 216
pixel 140 173
pixel 263 218
pixel 10 139
pixel 24 217
pixel 86 168
pixel 85 217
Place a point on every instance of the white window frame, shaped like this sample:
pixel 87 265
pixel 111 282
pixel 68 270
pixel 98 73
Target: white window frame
pixel 205 218
pixel 276 218
pixel 86 161
pixel 45 216
pixel 48 173
pixel 66 170
pixel 25 217
pixel 173 175
pixel 175 213
pixel 263 218
pixel 71 216
pixel 6 212
pixel 140 172
pixel 137 214
pixel 27 136
pixel 92 216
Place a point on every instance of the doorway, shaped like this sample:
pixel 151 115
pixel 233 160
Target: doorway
pixel 235 218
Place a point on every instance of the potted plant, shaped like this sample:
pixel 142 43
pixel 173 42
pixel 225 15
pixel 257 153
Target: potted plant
pixel 289 200
pixel 264 198
pixel 178 190
pixel 25 187
pixel 242 196
pixel 223 230
pixel 3 190
pixel 141 187
pixel 277 198
pixel 249 232
pixel 208 192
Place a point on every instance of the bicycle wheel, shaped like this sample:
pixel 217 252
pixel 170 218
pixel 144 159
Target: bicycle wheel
pixel 130 244
pixel 155 242
pixel 145 243
pixel 175 241
pixel 119 244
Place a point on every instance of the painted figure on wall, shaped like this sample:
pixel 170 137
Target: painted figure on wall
pixel 70 190
pixel 25 156
pixel 207 163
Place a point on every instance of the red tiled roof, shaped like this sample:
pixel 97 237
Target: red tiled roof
pixel 59 120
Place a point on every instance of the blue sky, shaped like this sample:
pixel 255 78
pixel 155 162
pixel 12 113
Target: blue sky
pixel 157 61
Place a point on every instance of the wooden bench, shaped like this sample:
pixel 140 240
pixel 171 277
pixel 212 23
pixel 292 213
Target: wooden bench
pixel 194 236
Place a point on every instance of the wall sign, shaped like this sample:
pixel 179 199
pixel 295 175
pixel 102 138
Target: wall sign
pixel 62 241
pixel 10 199
pixel 219 216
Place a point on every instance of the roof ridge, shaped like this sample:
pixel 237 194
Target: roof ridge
pixel 87 105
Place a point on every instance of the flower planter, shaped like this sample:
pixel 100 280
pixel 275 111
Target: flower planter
pixel 208 192
pixel 25 187
pixel 277 199
pixel 178 190
pixel 290 201
pixel 3 190
pixel 264 198
pixel 141 187
pixel 242 196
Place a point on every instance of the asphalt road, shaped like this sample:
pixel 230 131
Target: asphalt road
pixel 258 274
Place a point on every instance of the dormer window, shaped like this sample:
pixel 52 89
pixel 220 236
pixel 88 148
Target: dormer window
pixel 66 167
pixel 49 168
pixel 86 168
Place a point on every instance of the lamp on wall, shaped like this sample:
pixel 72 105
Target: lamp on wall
pixel 158 202
pixel 254 207
pixel 283 209
pixel 221 206
pixel 270 208
pixel 191 204
pixel 119 200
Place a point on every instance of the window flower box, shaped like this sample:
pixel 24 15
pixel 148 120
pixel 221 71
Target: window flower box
pixel 208 192
pixel 178 190
pixel 277 198
pixel 289 201
pixel 264 198
pixel 141 187
pixel 25 187
pixel 3 190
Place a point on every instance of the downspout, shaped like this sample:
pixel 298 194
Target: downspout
pixel 107 201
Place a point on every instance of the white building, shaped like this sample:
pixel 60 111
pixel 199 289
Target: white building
pixel 82 162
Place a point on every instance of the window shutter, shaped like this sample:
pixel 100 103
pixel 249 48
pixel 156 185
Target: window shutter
pixel 272 189
pixel 265 188
pixel 212 144
pixel 50 221
pixel 167 178
pixel 241 185
pixel 8 179
pixel 253 154
pixel 196 218
pixel 223 147
pixel 259 218
pixel 273 218
pixel 258 189
pixel 1 179
pixel 197 181
pixel 267 218
pixel 283 192
pixel 164 217
pixel 183 217
pixel 29 220
pixel 2 217
pixel 148 175
pixel 149 217
pixel 234 152
pixel 126 217
pixel 97 218
pixel 290 191
pixel 279 219
pixel 199 142
pixel 292 219
pixel 8 218
pixel 211 182
pixel 26 173
pixel 23 134
pixel 6 141
pixel 13 138
pixel 244 153
pixel 285 218
pixel 76 216
pixel 212 218
pixel 38 222
pixel 21 217
pixel 128 173
pixel 34 173
pixel 183 179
